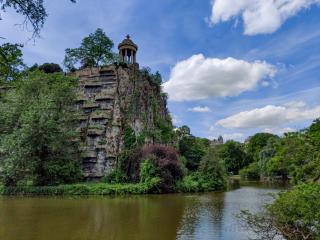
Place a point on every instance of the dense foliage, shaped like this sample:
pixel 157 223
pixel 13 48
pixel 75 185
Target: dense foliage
pixel 50 68
pixel 11 62
pixel 233 155
pixel 37 131
pixel 191 148
pixel 95 51
pixel 210 176
pixel 295 156
pixel 294 214
pixel 256 143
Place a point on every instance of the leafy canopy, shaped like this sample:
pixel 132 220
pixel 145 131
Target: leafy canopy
pixel 38 139
pixel 233 155
pixel 294 215
pixel 95 51
pixel 10 61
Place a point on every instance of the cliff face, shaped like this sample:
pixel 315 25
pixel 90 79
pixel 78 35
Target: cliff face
pixel 110 101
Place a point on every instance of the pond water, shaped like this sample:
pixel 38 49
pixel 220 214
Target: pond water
pixel 151 217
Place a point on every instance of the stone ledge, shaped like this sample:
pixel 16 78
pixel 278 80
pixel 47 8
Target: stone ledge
pixel 88 105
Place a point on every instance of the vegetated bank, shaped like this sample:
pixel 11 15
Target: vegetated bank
pixel 295 157
pixel 129 145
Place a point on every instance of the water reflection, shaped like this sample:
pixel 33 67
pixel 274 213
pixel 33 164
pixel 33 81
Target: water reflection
pixel 177 216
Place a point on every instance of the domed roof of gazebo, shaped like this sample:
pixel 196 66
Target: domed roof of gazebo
pixel 127 42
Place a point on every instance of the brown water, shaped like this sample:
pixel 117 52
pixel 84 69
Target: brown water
pixel 165 217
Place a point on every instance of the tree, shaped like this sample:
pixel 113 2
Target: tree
pixel 193 149
pixel 38 138
pixel 212 170
pixel 233 155
pixel 95 51
pixel 50 68
pixel 256 143
pixel 294 215
pixel 33 11
pixel 10 61
pixel 182 132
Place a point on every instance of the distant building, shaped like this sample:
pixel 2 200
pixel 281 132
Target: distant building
pixel 216 142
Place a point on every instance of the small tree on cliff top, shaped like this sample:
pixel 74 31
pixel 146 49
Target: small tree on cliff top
pixel 95 50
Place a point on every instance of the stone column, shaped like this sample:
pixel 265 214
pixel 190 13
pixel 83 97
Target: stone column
pixel 132 56
pixel 126 55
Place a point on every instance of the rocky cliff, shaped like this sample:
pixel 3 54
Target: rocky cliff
pixel 113 100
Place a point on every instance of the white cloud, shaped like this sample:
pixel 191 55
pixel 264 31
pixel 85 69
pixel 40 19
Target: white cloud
pixel 199 109
pixel 199 78
pixel 175 120
pixel 232 136
pixel 259 16
pixel 271 116
pixel 279 131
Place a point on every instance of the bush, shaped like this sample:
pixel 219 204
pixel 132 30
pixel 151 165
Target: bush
pixel 50 68
pixel 212 171
pixel 294 215
pixel 251 172
pixel 165 163
pixel 83 189
pixel 116 176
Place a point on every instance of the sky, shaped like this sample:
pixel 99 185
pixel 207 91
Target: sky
pixel 231 68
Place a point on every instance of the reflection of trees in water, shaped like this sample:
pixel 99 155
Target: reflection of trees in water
pixel 203 217
pixel 137 217
pixel 181 216
pixel 141 217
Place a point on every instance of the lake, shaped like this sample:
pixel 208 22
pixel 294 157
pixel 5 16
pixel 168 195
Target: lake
pixel 150 217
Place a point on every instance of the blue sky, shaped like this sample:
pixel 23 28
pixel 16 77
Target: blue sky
pixel 232 68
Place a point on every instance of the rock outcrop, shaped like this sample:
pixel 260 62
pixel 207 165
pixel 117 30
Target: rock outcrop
pixel 111 100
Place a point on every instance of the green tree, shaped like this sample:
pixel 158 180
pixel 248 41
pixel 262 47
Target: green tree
pixel 11 62
pixel 38 134
pixel 183 132
pixel 212 170
pixel 294 215
pixel 50 68
pixel 267 153
pixel 95 51
pixel 256 143
pixel 233 155
pixel 193 149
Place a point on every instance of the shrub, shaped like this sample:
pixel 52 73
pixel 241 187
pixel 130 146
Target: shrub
pixel 116 176
pixel 84 189
pixel 212 171
pixel 294 215
pixel 165 161
pixel 251 172
pixel 190 183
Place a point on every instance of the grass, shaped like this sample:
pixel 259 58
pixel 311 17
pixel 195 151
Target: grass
pixel 81 189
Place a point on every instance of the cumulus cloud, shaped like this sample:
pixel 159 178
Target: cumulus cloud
pixel 199 109
pixel 271 116
pixel 259 16
pixel 199 78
